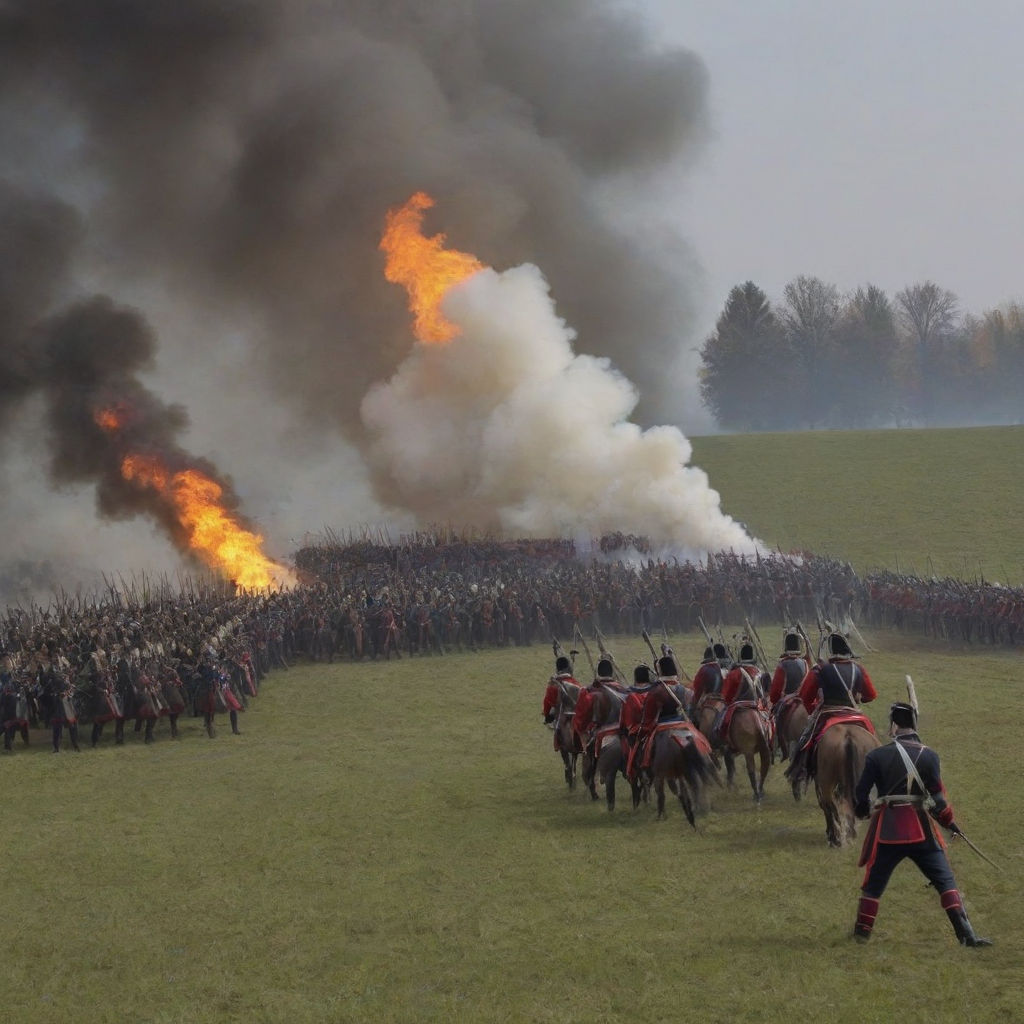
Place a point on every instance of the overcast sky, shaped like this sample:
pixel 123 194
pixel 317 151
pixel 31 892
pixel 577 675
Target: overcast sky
pixel 878 141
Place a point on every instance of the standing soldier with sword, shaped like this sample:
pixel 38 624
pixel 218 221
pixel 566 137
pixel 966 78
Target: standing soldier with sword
pixel 905 774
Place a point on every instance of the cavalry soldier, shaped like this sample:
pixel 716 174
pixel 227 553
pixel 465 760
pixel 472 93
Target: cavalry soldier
pixel 743 683
pixel 838 686
pixel 666 701
pixel 791 669
pixel 631 717
pixel 583 717
pixel 562 676
pixel 709 676
pixel 905 774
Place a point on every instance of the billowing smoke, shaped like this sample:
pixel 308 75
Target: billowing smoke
pixel 224 166
pixel 505 428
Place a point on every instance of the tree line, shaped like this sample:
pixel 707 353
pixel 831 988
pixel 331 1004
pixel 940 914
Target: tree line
pixel 820 359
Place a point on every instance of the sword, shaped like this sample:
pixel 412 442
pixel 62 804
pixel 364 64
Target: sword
pixel 956 832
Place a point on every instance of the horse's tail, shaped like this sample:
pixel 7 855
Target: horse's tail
pixel 850 772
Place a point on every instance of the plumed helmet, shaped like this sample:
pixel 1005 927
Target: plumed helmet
pixel 903 715
pixel 563 664
pixel 605 669
pixel 791 642
pixel 666 666
pixel 746 653
pixel 641 674
pixel 838 646
pixel 720 651
pixel 709 654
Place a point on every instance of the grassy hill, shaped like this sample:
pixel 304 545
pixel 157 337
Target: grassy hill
pixel 942 502
pixel 394 842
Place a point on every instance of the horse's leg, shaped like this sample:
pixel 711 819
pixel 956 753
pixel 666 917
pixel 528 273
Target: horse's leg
pixel 730 768
pixel 568 768
pixel 748 758
pixel 590 774
pixel 659 788
pixel 686 802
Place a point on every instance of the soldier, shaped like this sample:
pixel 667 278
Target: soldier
pixel 709 676
pixel 905 774
pixel 791 669
pixel 631 717
pixel 563 674
pixel 840 685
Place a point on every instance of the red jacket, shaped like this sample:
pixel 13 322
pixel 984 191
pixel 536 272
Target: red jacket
pixel 782 673
pixel 708 675
pixel 820 685
pixel 736 682
pixel 553 690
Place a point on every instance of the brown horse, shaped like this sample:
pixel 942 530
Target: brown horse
pixel 839 761
pixel 790 721
pixel 611 757
pixel 749 736
pixel 705 714
pixel 681 757
pixel 567 740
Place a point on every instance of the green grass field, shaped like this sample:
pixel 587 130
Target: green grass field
pixel 939 502
pixel 394 842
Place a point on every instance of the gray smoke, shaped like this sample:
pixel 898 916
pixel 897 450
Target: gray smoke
pixel 234 160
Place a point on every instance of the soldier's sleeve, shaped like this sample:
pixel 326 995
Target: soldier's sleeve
pixel 867 688
pixel 809 689
pixel 778 682
pixel 928 768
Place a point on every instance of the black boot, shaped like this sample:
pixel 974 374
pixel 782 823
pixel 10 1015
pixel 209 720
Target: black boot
pixel 73 736
pixel 57 730
pixel 234 723
pixel 954 908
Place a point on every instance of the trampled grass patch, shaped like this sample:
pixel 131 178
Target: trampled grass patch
pixel 394 842
pixel 935 502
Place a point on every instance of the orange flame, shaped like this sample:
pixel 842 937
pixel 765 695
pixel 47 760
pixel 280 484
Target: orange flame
pixel 213 534
pixel 107 419
pixel 423 267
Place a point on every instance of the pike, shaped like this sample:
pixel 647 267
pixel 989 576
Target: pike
pixel 706 631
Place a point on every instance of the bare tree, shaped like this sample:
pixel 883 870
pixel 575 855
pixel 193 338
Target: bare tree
pixel 927 311
pixel 810 317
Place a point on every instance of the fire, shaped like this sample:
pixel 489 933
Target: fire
pixel 423 267
pixel 213 534
pixel 108 419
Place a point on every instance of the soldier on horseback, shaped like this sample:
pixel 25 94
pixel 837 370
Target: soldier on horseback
pixel 631 717
pixel 836 687
pixel 905 775
pixel 742 685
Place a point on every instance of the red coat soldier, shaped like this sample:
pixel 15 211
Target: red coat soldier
pixel 791 669
pixel 911 798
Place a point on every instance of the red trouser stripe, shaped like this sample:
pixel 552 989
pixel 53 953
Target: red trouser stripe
pixel 950 900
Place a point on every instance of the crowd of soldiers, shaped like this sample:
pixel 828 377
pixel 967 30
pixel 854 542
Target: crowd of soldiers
pixel 143 654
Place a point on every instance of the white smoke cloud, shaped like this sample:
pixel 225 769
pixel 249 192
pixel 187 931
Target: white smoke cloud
pixel 506 428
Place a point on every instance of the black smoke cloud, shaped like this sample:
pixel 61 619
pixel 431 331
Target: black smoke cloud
pixel 240 157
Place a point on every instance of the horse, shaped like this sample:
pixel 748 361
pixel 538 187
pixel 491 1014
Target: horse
pixel 838 763
pixel 604 758
pixel 749 734
pixel 567 740
pixel 790 721
pixel 705 715
pixel 681 758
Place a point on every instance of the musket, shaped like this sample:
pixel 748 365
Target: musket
pixel 602 647
pixel 560 651
pixel 753 634
pixel 807 642
pixel 667 652
pixel 706 631
pixel 586 650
